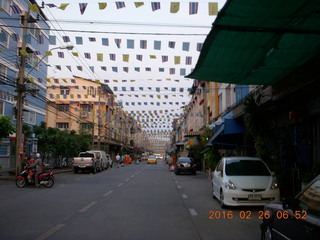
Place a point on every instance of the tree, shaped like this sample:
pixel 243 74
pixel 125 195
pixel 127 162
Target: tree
pixel 6 127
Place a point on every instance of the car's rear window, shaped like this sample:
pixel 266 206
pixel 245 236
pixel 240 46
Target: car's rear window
pixel 152 157
pixel 86 155
pixel 246 168
pixel 184 160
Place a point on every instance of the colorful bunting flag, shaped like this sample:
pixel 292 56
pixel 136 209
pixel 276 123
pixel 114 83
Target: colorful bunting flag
pixel 138 4
pixel 174 7
pixel 105 41
pixel 63 6
pixel 193 8
pixel 213 8
pixel 16 9
pixel 155 6
pixel 120 5
pixel 143 44
pixel 100 57
pixel 102 6
pixel 82 7
pixel 66 38
pixel 34 8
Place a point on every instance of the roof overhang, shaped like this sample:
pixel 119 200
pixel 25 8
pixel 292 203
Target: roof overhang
pixel 259 42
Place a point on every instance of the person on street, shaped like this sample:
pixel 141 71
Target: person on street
pixel 30 161
pixel 118 160
pixel 38 164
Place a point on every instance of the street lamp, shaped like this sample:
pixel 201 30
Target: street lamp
pixel 20 95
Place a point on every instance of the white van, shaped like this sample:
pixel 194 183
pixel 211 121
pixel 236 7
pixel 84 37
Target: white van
pixel 105 159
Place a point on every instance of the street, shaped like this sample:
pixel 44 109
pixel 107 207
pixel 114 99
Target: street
pixel 132 202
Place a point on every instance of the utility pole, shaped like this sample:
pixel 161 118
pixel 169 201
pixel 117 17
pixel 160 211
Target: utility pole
pixel 20 97
pixel 99 122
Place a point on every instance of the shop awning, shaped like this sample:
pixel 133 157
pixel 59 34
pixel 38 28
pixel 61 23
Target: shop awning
pixel 259 42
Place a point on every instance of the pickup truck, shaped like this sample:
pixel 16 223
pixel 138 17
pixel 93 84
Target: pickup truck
pixel 86 160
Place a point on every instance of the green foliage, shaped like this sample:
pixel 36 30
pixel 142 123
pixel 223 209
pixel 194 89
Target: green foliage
pixel 255 116
pixel 211 157
pixel 6 127
pixel 60 144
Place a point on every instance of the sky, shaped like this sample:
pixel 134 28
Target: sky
pixel 134 25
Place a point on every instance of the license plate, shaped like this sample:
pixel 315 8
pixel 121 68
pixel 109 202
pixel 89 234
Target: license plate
pixel 254 197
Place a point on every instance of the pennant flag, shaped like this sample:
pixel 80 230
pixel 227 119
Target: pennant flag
pixel 143 44
pixel 125 57
pixel 63 6
pixel 164 58
pixel 157 45
pixel 87 55
pixel 114 69
pixel 176 59
pixel 148 69
pixel 161 69
pixel 51 5
pixel 102 6
pixel 213 8
pixel 92 39
pixel 153 57
pixel 185 46
pixel 188 60
pixel 16 9
pixel 58 67
pixel 171 44
pixel 79 68
pixel 15 37
pixel 130 43
pixel 82 7
pixel 37 53
pixel 100 57
pixel 182 72
pixel 120 5
pixel 155 6
pixel 199 47
pixel 79 40
pixel 172 71
pixel 174 7
pixel 193 8
pixel 138 4
pixel 91 68
pixel 52 40
pixel 61 54
pixel 125 69
pixel 139 57
pixel 105 41
pixel 104 68
pixel 48 53
pixel 66 38
pixel 118 42
pixel 137 69
pixel 75 54
pixel 69 68
pixel 112 56
pixel 34 8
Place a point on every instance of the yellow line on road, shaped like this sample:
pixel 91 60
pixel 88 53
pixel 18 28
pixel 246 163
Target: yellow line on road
pixel 120 184
pixel 50 232
pixel 107 193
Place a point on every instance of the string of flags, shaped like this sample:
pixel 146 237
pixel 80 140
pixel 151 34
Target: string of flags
pixel 155 6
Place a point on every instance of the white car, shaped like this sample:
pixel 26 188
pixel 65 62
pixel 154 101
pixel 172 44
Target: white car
pixel 244 181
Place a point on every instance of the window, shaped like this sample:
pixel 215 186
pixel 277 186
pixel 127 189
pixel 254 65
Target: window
pixel 29 117
pixel 6 6
pixel 4 38
pixel 3 73
pixel 86 107
pixel 220 103
pixel 1 108
pixel 63 107
pixel 91 91
pixel 64 90
pixel 63 125
pixel 85 126
pixel 32 59
pixel 34 30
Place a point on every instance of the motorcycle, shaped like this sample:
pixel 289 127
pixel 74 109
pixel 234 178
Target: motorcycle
pixel 46 178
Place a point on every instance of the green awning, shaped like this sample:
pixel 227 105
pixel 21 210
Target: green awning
pixel 258 42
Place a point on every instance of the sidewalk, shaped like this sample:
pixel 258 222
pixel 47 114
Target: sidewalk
pixel 9 176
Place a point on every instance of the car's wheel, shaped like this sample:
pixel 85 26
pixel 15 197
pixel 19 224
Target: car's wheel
pixel 212 192
pixel 75 170
pixel 222 205
pixel 94 170
pixel 266 233
pixel 21 182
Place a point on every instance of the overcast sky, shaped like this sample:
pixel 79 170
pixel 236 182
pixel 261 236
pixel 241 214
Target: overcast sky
pixel 135 24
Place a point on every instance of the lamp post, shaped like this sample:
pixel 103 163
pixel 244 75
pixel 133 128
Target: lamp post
pixel 21 89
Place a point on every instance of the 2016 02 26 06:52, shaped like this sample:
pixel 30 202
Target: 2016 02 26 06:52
pixel 215 215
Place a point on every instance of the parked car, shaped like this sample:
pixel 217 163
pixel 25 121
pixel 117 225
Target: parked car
pixel 152 159
pixel 294 218
pixel 104 159
pixel 86 160
pixel 242 181
pixel 185 165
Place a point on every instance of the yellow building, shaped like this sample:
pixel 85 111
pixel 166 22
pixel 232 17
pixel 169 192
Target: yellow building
pixel 89 107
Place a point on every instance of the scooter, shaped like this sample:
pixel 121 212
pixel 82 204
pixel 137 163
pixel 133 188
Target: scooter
pixel 46 178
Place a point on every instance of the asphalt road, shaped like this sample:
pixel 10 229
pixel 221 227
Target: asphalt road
pixel 132 202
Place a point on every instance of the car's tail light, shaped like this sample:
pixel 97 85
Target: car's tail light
pixel 92 160
pixel 72 160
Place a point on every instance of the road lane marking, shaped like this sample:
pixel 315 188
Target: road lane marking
pixel 127 179
pixel 193 212
pixel 120 184
pixel 88 206
pixel 132 176
pixel 179 187
pixel 184 195
pixel 107 193
pixel 50 232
